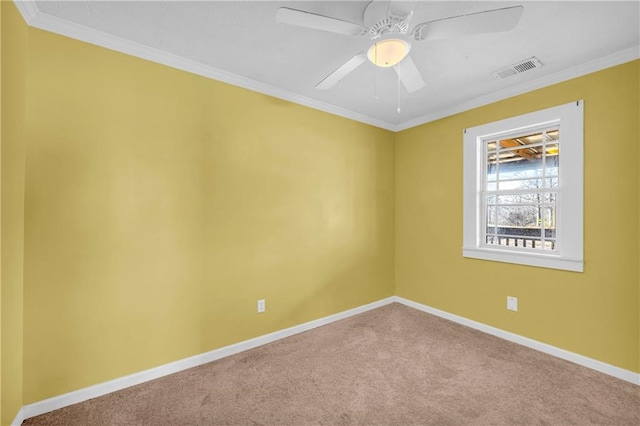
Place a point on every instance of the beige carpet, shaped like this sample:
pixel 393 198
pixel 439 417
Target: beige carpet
pixel 394 365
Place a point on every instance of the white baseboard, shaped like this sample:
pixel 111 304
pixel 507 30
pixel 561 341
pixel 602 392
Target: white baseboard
pixel 17 421
pixel 47 405
pixel 611 370
pixel 57 402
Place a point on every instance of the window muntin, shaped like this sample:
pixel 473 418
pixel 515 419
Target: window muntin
pixel 520 190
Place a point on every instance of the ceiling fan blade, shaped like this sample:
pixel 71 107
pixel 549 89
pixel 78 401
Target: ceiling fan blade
pixel 489 21
pixel 409 75
pixel 300 18
pixel 342 71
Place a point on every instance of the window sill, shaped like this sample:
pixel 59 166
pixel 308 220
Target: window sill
pixel 552 261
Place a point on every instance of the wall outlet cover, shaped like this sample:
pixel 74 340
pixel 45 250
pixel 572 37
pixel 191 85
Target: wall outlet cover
pixel 512 303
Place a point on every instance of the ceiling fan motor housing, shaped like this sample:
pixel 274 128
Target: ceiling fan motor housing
pixel 392 24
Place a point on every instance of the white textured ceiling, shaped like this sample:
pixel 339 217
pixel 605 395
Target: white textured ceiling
pixel 240 42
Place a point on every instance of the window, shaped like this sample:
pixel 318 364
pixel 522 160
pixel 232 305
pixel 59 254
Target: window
pixel 523 189
pixel 519 187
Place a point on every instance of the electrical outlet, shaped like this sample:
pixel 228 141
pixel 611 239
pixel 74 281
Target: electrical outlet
pixel 261 306
pixel 512 303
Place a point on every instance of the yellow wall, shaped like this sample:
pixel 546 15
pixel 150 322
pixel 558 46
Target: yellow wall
pixel 161 205
pixel 14 46
pixel 1 214
pixel 594 313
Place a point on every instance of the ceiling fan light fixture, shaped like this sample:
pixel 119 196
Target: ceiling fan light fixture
pixel 389 52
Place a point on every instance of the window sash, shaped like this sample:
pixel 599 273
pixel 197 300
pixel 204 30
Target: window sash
pixel 492 147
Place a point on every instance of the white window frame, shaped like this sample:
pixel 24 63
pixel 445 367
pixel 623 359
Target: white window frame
pixel 569 210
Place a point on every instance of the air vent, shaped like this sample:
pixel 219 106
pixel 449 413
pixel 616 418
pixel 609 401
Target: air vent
pixel 520 67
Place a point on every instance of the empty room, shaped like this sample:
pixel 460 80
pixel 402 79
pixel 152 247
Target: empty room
pixel 319 212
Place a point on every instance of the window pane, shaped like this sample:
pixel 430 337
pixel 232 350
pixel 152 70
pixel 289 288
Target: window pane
pixel 510 185
pixel 491 217
pixel 520 167
pixel 533 198
pixel 517 217
pixel 491 146
pixel 550 197
pixel 508 199
pixel 549 217
pixel 552 160
pixel 491 171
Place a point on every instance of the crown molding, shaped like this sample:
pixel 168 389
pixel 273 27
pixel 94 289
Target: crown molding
pixel 28 10
pixel 34 18
pixel 608 61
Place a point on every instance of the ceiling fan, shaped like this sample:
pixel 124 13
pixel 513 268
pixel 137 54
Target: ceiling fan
pixel 387 24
